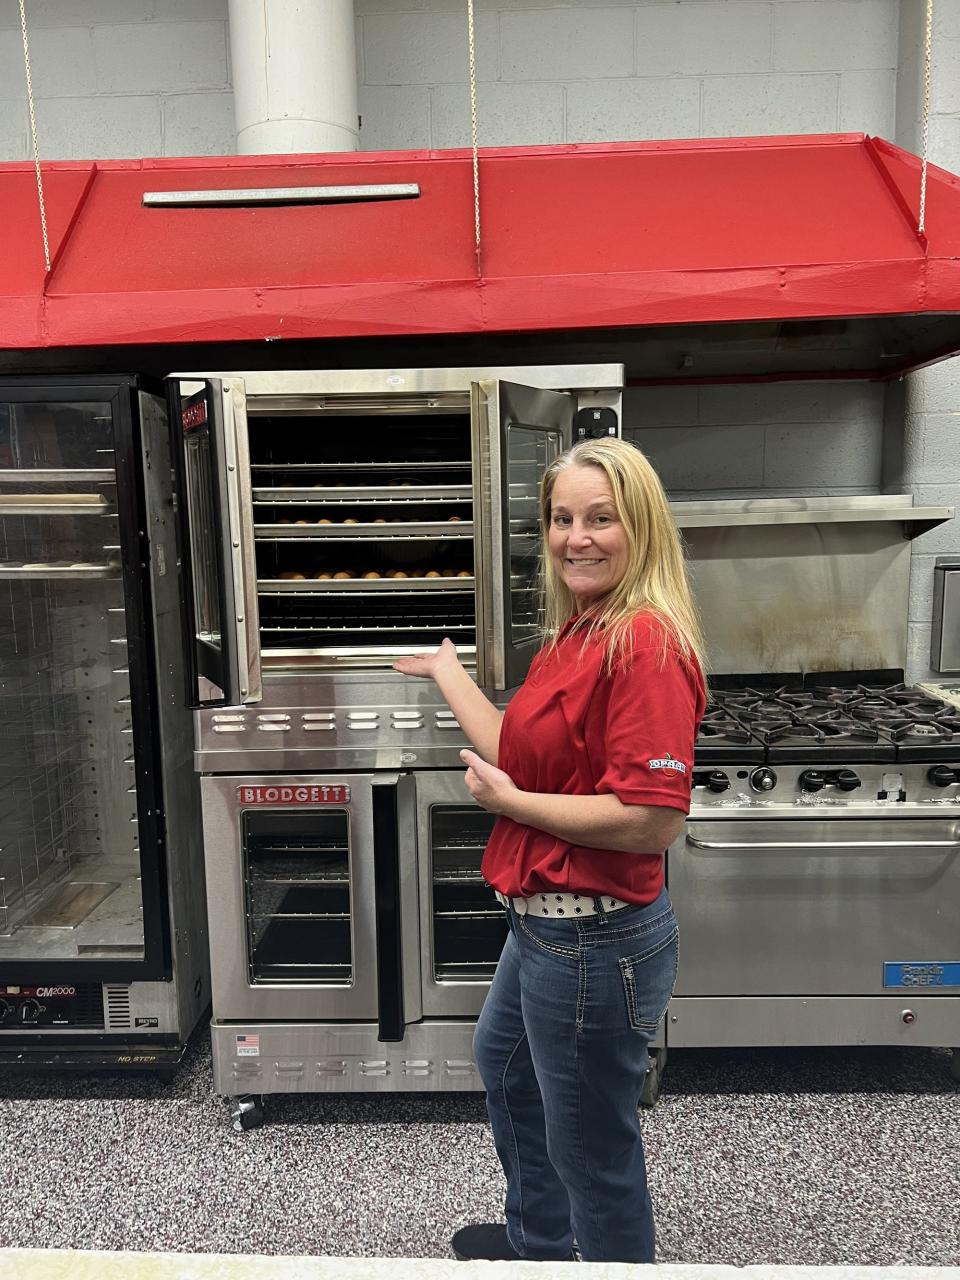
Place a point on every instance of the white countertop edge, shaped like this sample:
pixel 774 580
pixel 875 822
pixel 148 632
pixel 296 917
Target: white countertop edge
pixel 69 1264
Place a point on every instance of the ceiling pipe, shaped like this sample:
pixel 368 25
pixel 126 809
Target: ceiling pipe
pixel 294 76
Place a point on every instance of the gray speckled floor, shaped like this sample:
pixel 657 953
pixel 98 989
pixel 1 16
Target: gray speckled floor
pixel 779 1156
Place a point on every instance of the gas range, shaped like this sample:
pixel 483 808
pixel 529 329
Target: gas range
pixel 827 744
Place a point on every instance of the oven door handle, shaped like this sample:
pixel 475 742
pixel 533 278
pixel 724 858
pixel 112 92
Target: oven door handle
pixel 242 551
pixel 821 844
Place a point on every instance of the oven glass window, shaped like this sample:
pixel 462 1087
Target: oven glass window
pixel 469 925
pixel 203 544
pixel 529 453
pixel 297 888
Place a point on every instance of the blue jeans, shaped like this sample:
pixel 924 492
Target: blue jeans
pixel 561 1045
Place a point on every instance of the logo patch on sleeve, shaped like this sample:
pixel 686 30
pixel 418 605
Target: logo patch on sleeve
pixel 671 768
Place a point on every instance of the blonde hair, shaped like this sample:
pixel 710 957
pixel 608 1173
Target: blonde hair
pixel 656 578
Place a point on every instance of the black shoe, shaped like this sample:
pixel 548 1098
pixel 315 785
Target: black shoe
pixel 488 1242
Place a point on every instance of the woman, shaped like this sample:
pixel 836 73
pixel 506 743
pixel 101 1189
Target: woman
pixel 589 773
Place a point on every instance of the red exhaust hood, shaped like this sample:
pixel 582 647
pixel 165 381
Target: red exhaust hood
pixel 756 257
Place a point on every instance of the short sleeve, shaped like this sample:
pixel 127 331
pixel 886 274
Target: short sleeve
pixel 649 728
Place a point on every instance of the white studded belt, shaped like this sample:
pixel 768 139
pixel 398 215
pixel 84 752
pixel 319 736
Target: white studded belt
pixel 561 905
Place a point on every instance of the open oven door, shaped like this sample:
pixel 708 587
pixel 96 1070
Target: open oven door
pixel 217 553
pixel 517 432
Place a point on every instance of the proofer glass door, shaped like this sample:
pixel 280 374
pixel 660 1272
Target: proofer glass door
pixel 290 864
pixel 795 908
pixel 219 576
pixel 462 925
pixel 80 842
pixel 518 432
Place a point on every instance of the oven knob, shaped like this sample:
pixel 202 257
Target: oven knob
pixel 712 779
pixel 4 1010
pixel 812 780
pixel 941 775
pixel 763 779
pixel 908 1016
pixel 846 780
pixel 29 1011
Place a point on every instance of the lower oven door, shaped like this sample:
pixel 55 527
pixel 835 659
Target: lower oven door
pixel 462 925
pixel 290 865
pixel 812 907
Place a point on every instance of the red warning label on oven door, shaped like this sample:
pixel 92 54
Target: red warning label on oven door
pixel 295 793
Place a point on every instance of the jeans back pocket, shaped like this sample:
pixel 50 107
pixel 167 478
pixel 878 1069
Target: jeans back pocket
pixel 648 979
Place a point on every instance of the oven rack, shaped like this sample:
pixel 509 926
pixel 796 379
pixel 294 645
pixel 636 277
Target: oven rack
pixel 405 466
pixel 361 586
pixel 331 882
pixel 261 916
pixel 474 913
pixel 412 531
pixel 366 494
pixel 380 628
pixel 469 876
pixel 331 657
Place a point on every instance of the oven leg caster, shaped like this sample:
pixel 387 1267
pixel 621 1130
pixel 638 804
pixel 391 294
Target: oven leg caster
pixel 651 1085
pixel 247 1112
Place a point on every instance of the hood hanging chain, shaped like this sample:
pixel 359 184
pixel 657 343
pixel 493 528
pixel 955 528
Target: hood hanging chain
pixel 33 134
pixel 927 55
pixel 473 131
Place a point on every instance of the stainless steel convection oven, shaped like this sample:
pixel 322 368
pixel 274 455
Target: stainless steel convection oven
pixel 332 522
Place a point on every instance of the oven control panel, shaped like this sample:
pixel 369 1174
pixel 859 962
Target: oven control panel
pixel 26 1008
pixel 797 789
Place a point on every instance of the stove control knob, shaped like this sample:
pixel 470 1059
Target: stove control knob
pixel 908 1017
pixel 763 779
pixel 812 780
pixel 5 1010
pixel 713 779
pixel 846 780
pixel 941 775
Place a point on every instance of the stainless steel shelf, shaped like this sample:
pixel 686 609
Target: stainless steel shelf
pixel 53 504
pixel 56 475
pixel 13 570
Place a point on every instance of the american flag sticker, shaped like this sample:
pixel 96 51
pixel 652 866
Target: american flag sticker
pixel 248 1046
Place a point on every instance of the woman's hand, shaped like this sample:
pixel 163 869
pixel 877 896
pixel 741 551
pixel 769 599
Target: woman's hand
pixel 428 666
pixel 489 786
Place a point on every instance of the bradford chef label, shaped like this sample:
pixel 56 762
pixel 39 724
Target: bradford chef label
pixel 295 793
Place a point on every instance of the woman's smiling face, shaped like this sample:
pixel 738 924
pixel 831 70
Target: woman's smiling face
pixel 586 538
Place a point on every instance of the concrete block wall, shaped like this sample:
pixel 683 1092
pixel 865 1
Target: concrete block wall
pixel 152 77
pixel 601 70
pixel 116 78
pixel 765 439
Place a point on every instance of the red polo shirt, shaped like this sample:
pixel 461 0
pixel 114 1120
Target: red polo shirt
pixel 572 729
